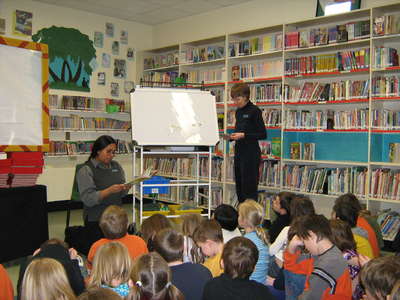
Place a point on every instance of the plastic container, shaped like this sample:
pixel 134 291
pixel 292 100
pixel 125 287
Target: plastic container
pixel 156 189
pixel 175 210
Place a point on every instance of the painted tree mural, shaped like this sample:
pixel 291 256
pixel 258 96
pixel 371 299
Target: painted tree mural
pixel 71 56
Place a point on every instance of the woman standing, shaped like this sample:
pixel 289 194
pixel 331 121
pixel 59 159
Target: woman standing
pixel 100 183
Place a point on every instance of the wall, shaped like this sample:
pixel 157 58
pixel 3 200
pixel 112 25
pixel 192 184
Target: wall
pixel 250 15
pixel 58 172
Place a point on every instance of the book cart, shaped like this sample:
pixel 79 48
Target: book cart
pixel 189 134
pixel 329 91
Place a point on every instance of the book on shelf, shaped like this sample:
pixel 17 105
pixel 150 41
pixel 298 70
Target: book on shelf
pixel 342 34
pixel 265 92
pixel 263 69
pixel 270 171
pixel 309 151
pixel 386 25
pixel 207 75
pixel 296 150
pixel 166 77
pixel 276 146
pixel 255 45
pixel 161 60
pixel 271 117
pixel 202 54
pixel 231 117
pixel 386 119
pixel 385 86
pixel 384 184
pixel 386 57
pixel 323 36
pixel 235 73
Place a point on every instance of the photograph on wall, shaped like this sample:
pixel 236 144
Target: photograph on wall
pixel 128 86
pixel 22 23
pixel 124 37
pixel 130 54
pixel 101 78
pixel 106 60
pixel 2 26
pixel 115 48
pixel 70 64
pixel 110 29
pixel 98 39
pixel 114 89
pixel 120 68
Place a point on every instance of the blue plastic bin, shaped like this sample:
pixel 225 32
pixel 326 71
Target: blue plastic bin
pixel 156 189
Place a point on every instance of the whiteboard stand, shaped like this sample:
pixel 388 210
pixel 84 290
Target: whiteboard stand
pixel 198 181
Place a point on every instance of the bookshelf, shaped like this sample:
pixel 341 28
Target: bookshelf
pixel 328 82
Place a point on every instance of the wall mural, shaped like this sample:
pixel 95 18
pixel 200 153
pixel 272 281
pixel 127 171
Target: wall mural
pixel 71 57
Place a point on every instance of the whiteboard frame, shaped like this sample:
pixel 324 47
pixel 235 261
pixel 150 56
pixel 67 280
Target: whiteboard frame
pixel 43 48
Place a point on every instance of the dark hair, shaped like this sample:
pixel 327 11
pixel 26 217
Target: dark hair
pixel 208 230
pixel 227 216
pixel 318 224
pixel 169 244
pixel 99 144
pixel 301 206
pixel 151 226
pixel 351 199
pixel 285 199
pixel 239 256
pixel 99 293
pixel 54 241
pixel 379 275
pixel 240 90
pixel 114 222
pixel 342 236
pixel 346 212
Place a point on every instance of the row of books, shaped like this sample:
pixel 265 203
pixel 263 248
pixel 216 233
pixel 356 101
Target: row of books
pixel 265 92
pixel 271 148
pixel 165 166
pixel 84 147
pixel 78 122
pixel 335 62
pixel 86 103
pixel 394 152
pixel 386 57
pixel 231 117
pixel 270 173
pixel 329 119
pixel 385 86
pixel 255 45
pixel 385 25
pixel 200 54
pixel 385 184
pixel 300 151
pixel 388 119
pixel 332 91
pixel 208 76
pixel 389 222
pixel 272 117
pixel 188 167
pixel 218 93
pixel 161 60
pixel 270 68
pixel 327 35
pixel 331 181
pixel 166 77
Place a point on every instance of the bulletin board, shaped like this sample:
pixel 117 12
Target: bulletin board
pixel 24 96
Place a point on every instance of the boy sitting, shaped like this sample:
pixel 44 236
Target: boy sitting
pixel 189 278
pixel 208 237
pixel 379 276
pixel 327 274
pixel 114 225
pixel 239 259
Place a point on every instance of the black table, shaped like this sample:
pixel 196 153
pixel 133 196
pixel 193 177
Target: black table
pixel 23 221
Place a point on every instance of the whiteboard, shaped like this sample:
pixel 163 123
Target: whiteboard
pixel 20 96
pixel 166 116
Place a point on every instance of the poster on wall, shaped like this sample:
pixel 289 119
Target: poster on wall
pixel 115 48
pixel 98 39
pixel 124 37
pixel 22 23
pixel 128 86
pixel 70 64
pixel 105 60
pixel 114 89
pixel 101 78
pixel 130 54
pixel 120 68
pixel 2 26
pixel 109 29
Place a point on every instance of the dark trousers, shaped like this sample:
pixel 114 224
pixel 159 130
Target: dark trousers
pixel 247 163
pixel 93 233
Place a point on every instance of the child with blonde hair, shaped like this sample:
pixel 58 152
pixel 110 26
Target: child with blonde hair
pixel 250 219
pixel 45 278
pixel 111 268
pixel 191 253
pixel 151 279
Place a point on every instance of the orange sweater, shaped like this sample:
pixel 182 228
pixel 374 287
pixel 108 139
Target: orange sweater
pixel 136 246
pixel 361 222
pixel 6 287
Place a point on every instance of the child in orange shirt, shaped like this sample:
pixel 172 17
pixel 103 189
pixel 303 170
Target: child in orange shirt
pixel 114 224
pixel 6 287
